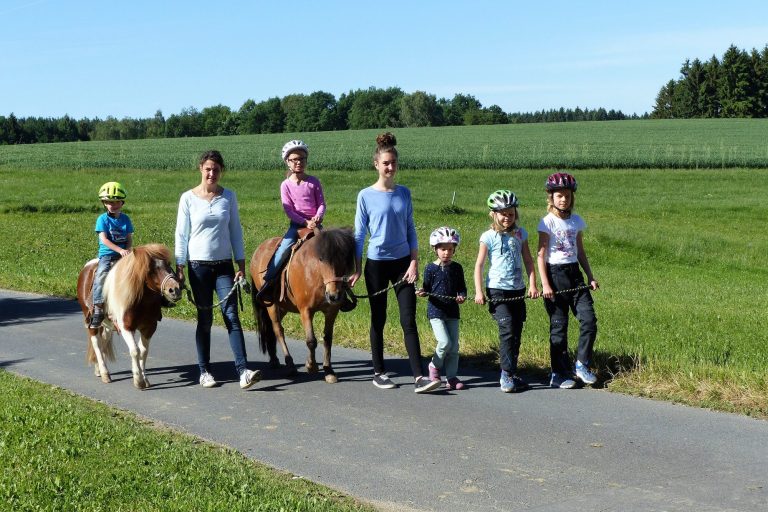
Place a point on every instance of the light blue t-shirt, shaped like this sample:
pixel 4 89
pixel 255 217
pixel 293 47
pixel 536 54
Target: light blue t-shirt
pixel 388 218
pixel 117 230
pixel 505 259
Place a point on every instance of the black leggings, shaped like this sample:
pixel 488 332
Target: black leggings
pixel 378 275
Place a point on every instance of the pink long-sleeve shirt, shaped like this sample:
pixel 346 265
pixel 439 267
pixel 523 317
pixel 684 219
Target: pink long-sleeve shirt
pixel 302 201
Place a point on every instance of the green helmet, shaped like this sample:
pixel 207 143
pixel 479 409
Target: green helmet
pixel 502 200
pixel 112 191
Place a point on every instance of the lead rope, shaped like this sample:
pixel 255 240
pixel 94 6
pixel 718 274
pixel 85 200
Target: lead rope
pixel 510 299
pixel 239 284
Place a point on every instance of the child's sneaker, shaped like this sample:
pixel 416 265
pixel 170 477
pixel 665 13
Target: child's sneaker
pixel 207 380
pixel 561 381
pixel 454 383
pixel 434 373
pixel 584 375
pixel 248 378
pixel 382 381
pixel 507 382
pixel 424 385
pixel 97 317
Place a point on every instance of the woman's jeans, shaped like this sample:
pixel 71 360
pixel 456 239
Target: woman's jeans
pixel 204 279
pixel 510 317
pixel 291 237
pixel 565 277
pixel 105 264
pixel 378 275
pixel 447 351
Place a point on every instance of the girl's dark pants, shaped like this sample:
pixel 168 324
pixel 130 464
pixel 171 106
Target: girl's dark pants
pixel 378 275
pixel 564 277
pixel 510 317
pixel 205 278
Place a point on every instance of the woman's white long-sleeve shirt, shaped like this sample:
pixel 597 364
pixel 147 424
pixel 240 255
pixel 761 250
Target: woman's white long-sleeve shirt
pixel 208 231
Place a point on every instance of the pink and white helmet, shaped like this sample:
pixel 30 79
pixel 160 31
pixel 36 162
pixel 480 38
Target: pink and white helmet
pixel 444 235
pixel 294 145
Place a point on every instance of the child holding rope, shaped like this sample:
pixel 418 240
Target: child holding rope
pixel 505 246
pixel 445 286
pixel 561 251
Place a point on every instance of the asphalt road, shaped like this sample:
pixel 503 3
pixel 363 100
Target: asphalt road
pixel 472 450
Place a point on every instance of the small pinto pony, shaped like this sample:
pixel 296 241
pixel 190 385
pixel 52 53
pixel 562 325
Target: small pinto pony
pixel 137 286
pixel 314 280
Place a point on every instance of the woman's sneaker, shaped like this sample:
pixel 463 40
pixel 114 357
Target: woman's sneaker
pixel 561 381
pixel 382 381
pixel 207 380
pixel 434 373
pixel 454 383
pixel 248 378
pixel 584 375
pixel 424 385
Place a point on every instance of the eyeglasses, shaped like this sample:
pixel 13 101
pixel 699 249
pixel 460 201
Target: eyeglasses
pixel 297 160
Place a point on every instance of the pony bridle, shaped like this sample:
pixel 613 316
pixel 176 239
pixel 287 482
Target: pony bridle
pixel 168 276
pixel 336 279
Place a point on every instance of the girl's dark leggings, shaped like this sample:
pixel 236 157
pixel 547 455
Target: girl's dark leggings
pixel 378 275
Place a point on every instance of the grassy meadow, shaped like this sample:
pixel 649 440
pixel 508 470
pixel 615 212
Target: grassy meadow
pixel 679 253
pixel 62 452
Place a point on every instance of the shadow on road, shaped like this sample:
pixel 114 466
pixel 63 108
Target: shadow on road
pixel 23 310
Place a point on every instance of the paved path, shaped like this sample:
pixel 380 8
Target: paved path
pixel 474 450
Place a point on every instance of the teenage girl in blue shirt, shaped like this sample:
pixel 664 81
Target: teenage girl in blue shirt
pixel 385 212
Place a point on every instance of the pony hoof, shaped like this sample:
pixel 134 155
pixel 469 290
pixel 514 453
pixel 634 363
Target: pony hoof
pixel 291 371
pixel 330 378
pixel 274 364
pixel 311 368
pixel 106 378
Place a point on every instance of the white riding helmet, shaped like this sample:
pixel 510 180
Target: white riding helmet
pixel 444 235
pixel 293 145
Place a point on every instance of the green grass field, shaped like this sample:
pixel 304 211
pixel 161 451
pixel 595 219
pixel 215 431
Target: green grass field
pixel 62 452
pixel 679 253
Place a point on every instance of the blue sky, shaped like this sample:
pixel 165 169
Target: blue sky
pixel 97 58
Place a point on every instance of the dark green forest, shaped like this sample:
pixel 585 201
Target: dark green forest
pixel 735 85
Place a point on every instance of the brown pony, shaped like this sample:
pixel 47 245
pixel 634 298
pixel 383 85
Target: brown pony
pixel 137 286
pixel 313 280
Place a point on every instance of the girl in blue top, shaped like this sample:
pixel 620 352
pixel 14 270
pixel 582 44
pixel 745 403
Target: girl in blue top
pixel 385 212
pixel 505 246
pixel 115 240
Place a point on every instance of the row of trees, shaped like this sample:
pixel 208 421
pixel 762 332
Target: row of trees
pixel 734 86
pixel 319 111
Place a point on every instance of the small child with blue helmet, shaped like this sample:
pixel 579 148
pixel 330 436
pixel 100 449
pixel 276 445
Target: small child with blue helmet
pixel 444 284
pixel 115 232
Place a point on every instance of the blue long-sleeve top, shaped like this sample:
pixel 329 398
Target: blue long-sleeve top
pixel 388 218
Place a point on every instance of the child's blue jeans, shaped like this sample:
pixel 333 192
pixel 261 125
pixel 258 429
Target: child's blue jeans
pixel 105 264
pixel 290 238
pixel 447 351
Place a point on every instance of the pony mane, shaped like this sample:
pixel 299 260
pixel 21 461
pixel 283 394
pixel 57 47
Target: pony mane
pixel 131 271
pixel 336 246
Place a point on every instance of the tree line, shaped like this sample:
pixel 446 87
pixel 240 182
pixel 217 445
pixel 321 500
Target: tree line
pixel 318 111
pixel 734 86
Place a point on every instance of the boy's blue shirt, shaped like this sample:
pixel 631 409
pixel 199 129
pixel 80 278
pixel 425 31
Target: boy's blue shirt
pixel 117 231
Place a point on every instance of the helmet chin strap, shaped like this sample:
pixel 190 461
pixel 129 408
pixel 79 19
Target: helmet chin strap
pixel 567 210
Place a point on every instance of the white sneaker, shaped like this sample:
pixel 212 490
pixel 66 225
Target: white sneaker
pixel 248 378
pixel 207 380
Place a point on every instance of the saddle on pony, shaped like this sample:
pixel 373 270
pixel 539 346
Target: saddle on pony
pixel 276 288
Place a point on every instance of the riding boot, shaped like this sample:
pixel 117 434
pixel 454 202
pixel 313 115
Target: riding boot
pixel 265 290
pixel 97 317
